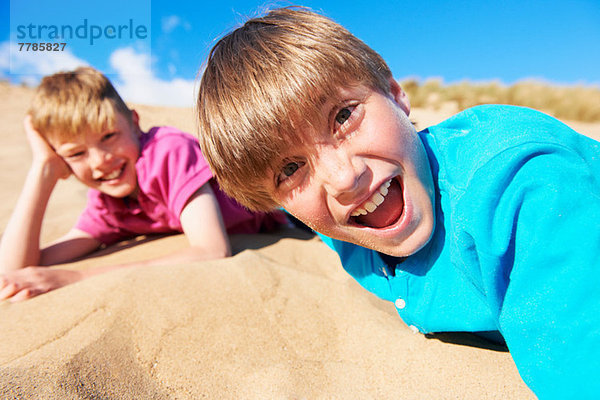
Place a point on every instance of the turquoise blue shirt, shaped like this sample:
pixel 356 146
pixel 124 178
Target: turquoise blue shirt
pixel 516 248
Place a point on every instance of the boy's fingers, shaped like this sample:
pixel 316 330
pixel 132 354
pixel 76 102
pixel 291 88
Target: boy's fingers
pixel 23 295
pixel 8 291
pixel 27 122
pixel 33 136
pixel 28 125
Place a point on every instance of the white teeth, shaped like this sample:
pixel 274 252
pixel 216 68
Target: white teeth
pixel 377 198
pixel 114 175
pixel 370 206
pixel 359 211
pixel 375 201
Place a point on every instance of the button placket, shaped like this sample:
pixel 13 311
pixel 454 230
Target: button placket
pixel 399 288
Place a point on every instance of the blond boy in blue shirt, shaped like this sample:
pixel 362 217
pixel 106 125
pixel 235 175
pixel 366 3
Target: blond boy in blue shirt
pixel 488 222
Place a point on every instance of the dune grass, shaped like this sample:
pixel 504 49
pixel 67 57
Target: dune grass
pixel 577 103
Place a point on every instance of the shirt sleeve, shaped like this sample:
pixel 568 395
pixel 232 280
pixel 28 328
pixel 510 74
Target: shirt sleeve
pixel 534 222
pixel 172 168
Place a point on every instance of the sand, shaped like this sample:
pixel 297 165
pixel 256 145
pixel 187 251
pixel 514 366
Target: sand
pixel 279 319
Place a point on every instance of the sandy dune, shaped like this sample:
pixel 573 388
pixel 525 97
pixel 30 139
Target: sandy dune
pixel 280 319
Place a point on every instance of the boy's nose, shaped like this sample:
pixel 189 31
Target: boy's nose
pixel 339 173
pixel 98 157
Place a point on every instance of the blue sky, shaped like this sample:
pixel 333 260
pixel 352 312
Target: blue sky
pixel 505 40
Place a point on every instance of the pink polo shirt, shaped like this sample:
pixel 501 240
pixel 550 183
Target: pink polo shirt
pixel 171 168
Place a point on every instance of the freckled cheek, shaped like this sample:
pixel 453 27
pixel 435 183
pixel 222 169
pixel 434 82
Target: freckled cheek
pixel 310 212
pixel 320 219
pixel 386 139
pixel 317 216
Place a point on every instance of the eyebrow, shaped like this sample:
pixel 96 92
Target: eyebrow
pixel 109 129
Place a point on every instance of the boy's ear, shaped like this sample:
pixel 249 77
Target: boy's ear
pixel 400 96
pixel 135 119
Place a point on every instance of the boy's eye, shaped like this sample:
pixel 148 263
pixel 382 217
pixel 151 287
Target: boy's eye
pixel 75 155
pixel 347 119
pixel 343 115
pixel 288 170
pixel 108 136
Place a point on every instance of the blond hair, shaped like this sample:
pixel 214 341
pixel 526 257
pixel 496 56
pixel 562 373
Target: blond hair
pixel 266 79
pixel 69 104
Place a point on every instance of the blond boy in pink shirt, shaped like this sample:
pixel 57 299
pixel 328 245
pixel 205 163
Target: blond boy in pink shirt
pixel 140 183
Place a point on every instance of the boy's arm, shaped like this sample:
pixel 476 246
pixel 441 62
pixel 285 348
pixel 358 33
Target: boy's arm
pixel 204 229
pixel 20 241
pixel 202 224
pixel 30 281
pixel 538 255
pixel 74 244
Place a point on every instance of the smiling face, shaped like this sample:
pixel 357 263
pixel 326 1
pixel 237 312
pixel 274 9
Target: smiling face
pixel 105 160
pixel 363 177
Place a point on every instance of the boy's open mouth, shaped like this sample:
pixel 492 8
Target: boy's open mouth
pixel 383 209
pixel 113 175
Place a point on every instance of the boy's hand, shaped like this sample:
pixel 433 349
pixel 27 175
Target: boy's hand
pixel 43 154
pixel 29 282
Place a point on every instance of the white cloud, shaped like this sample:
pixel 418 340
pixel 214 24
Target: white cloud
pixel 32 63
pixel 171 22
pixel 136 83
pixel 134 78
